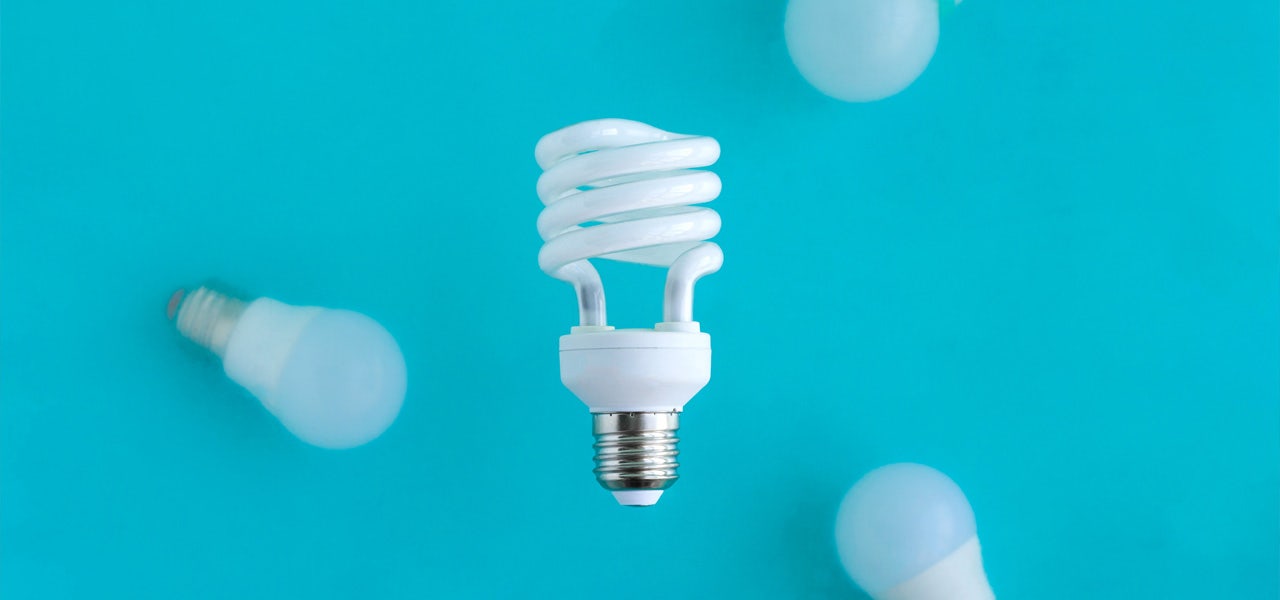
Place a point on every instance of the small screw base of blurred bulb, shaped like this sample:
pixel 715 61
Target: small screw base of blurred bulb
pixel 206 317
pixel 636 452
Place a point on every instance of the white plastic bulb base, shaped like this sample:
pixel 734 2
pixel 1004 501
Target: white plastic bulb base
pixel 906 532
pixel 635 383
pixel 334 378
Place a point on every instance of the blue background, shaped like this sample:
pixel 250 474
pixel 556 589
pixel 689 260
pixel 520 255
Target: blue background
pixel 1049 268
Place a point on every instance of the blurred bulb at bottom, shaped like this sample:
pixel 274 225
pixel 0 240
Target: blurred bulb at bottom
pixel 907 532
pixel 334 378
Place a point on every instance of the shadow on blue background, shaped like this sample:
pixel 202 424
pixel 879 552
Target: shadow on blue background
pixel 1048 268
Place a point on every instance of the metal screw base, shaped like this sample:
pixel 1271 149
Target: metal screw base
pixel 636 450
pixel 207 317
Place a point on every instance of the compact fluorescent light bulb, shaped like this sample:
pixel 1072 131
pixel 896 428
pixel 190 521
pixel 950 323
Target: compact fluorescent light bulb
pixel 625 191
pixel 907 532
pixel 334 378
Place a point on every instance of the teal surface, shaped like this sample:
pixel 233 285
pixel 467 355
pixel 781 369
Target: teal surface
pixel 1049 269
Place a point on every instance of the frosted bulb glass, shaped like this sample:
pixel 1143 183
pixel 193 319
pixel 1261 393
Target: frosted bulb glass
pixel 907 532
pixel 334 378
pixel 861 50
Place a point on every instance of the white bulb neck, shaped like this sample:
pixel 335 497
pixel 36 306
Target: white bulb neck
pixel 959 576
pixel 263 338
pixel 254 339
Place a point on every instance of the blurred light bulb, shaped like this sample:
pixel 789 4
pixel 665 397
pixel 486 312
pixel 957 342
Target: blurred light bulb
pixel 861 50
pixel 906 532
pixel 334 378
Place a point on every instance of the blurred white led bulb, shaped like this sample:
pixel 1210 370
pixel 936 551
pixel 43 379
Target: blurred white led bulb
pixel 907 532
pixel 334 378
pixel 862 50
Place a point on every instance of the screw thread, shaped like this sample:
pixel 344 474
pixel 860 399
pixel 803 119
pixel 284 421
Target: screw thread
pixel 636 450
pixel 207 317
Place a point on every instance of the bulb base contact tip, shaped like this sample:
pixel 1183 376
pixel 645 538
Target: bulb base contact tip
pixel 639 498
pixel 205 316
pixel 636 454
